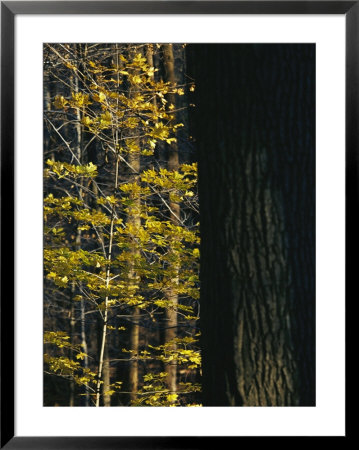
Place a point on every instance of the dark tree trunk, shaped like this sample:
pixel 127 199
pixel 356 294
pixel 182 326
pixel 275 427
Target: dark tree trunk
pixel 255 130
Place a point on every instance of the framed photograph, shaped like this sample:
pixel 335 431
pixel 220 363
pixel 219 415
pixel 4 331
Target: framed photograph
pixel 175 185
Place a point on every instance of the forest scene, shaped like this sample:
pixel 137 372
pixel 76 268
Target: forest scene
pixel 179 224
pixel 121 227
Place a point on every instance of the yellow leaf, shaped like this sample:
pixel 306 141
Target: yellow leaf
pixel 101 97
pixel 60 102
pixel 172 397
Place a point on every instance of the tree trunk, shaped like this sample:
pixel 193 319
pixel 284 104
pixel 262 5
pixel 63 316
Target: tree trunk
pixel 175 212
pixel 78 149
pixel 72 337
pixel 106 378
pixel 84 347
pixel 134 161
pixel 135 220
pixel 104 342
pixel 255 132
pixel 47 107
pixel 134 344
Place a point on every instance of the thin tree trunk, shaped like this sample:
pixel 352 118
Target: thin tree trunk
pixel 72 337
pixel 84 346
pixel 107 283
pixel 255 131
pixel 77 147
pixel 134 345
pixel 78 243
pixel 47 107
pixel 106 379
pixel 106 371
pixel 150 62
pixel 172 164
pixel 134 219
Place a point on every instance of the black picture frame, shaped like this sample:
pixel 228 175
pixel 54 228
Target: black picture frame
pixel 9 10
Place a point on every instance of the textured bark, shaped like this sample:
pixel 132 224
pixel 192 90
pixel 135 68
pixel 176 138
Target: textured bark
pixel 255 131
pixel 175 213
